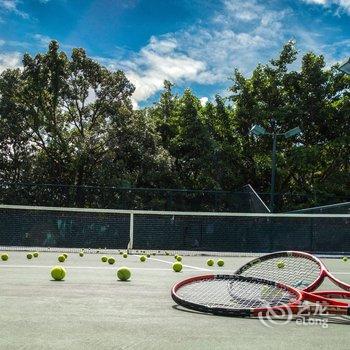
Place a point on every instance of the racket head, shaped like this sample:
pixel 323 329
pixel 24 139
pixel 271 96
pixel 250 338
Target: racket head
pixel 301 270
pixel 232 295
pixel 236 295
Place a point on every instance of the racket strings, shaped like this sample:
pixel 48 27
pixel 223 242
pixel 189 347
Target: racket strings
pixel 297 271
pixel 210 293
pixel 234 294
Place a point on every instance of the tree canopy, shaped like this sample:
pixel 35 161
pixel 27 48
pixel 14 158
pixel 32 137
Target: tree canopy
pixel 70 121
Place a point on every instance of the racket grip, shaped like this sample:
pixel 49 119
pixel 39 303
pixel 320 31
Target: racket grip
pixel 302 310
pixel 333 294
pixel 322 310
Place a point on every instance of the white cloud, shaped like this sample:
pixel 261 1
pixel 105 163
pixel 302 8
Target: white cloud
pixel 43 40
pixel 342 4
pixel 10 60
pixel 12 6
pixel 203 100
pixel 318 2
pixel 333 51
pixel 9 5
pixel 239 35
pixel 242 10
pixel 204 53
pixel 157 61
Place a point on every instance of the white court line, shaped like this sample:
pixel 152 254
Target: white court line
pixel 217 271
pixel 170 263
pixel 85 267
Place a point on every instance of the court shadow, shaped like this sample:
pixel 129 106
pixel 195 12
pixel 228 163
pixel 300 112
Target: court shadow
pixel 182 309
pixel 119 281
pixel 52 280
pixel 328 318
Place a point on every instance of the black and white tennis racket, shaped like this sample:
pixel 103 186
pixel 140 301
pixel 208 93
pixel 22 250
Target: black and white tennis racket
pixel 300 270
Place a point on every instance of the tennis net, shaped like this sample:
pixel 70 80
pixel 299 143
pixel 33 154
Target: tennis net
pixel 195 232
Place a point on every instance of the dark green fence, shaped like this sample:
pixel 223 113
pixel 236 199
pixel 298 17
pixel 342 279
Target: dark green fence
pixel 155 199
pixel 127 198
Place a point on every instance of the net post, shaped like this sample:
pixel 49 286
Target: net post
pixel 131 232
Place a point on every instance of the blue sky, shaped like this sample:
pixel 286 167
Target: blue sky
pixel 193 43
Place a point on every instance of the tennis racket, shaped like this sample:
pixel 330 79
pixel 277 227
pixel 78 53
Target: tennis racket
pixel 301 270
pixel 237 295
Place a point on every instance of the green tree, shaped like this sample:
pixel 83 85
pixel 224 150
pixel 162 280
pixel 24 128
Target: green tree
pixel 192 147
pixel 309 98
pixel 77 120
pixel 16 152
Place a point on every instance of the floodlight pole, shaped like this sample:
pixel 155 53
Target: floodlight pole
pixel 258 130
pixel 273 171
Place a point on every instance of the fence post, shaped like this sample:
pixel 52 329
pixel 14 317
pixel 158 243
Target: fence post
pixel 131 232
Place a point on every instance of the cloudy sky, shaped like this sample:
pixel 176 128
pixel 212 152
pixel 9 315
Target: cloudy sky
pixel 193 43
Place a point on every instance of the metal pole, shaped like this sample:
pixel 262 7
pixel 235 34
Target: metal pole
pixel 131 232
pixel 273 174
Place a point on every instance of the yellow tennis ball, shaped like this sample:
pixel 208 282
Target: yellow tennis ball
pixel 61 258
pixel 177 267
pixel 104 259
pixel 58 273
pixel 29 256
pixel 125 255
pixel 345 259
pixel 220 262
pixel 280 264
pixel 142 258
pixel 35 254
pixel 81 254
pixel 111 260
pixel 210 262
pixel 123 273
pixel 65 255
pixel 4 257
pixel 179 258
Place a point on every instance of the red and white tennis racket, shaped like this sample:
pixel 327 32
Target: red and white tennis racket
pixel 237 295
pixel 261 287
pixel 300 270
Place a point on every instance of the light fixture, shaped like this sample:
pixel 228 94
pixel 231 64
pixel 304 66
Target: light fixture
pixel 258 130
pixel 345 66
pixel 292 132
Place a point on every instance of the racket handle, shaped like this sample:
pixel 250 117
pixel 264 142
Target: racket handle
pixel 323 310
pixel 333 294
pixel 303 310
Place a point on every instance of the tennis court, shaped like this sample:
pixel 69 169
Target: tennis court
pixel 92 309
